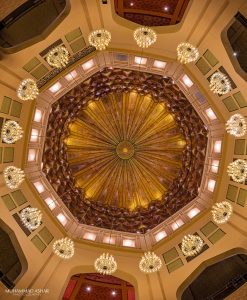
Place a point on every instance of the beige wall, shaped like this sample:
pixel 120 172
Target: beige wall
pixel 203 26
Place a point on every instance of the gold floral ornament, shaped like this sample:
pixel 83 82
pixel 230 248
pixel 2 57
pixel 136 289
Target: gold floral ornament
pixel 99 38
pixel 220 83
pixel 105 264
pixel 13 177
pixel 11 132
pixel 187 53
pixel 27 90
pixel 64 248
pixel 191 245
pixel 58 57
pixel 145 37
pixel 238 170
pixel 31 217
pixel 221 212
pixel 150 263
pixel 236 125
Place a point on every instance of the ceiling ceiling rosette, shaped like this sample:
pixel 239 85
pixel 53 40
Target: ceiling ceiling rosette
pixel 124 150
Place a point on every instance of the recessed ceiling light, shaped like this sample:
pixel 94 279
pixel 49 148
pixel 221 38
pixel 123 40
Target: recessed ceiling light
pixel 114 293
pixel 166 8
pixel 131 4
pixel 235 53
pixel 88 288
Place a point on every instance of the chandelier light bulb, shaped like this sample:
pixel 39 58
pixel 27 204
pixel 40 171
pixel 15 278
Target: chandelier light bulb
pixel 220 83
pixel 221 212
pixel 27 90
pixel 11 132
pixel 238 170
pixel 145 36
pixel 13 177
pixel 105 264
pixel 187 53
pixel 58 57
pixel 150 263
pixel 64 248
pixel 100 39
pixel 31 217
pixel 191 245
pixel 236 125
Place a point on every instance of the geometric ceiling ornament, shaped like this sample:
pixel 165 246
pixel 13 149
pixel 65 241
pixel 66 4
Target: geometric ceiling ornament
pixel 105 264
pixel 117 131
pixel 11 132
pixel 187 53
pixel 58 57
pixel 220 83
pixel 13 177
pixel 120 148
pixel 31 217
pixel 145 37
pixel 237 170
pixel 191 245
pixel 150 263
pixel 100 39
pixel 221 212
pixel 27 90
pixel 236 125
pixel 64 248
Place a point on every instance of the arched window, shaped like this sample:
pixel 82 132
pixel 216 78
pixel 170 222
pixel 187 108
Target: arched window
pixel 234 38
pixel 13 263
pixel 218 280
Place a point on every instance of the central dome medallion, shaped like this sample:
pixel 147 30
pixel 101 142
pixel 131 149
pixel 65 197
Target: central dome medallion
pixel 124 150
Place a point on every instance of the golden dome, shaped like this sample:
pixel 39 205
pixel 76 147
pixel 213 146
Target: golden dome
pixel 124 150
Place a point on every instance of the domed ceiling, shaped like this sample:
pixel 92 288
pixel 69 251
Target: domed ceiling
pixel 124 150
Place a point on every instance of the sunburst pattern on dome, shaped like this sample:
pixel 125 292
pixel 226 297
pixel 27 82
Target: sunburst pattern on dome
pixel 124 150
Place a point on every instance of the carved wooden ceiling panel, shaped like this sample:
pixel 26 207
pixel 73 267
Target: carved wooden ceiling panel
pixel 84 130
pixel 152 13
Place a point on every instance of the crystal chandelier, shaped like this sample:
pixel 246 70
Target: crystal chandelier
pixel 64 248
pixel 11 132
pixel 105 264
pixel 220 83
pixel 145 37
pixel 13 176
pixel 221 212
pixel 191 245
pixel 27 89
pixel 150 262
pixel 236 125
pixel 31 217
pixel 238 170
pixel 100 39
pixel 187 53
pixel 58 57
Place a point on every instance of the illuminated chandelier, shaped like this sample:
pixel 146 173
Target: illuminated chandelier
pixel 187 53
pixel 238 170
pixel 219 83
pixel 58 57
pixel 150 263
pixel 145 37
pixel 236 125
pixel 13 177
pixel 100 39
pixel 11 132
pixel 191 245
pixel 27 89
pixel 105 264
pixel 31 217
pixel 64 248
pixel 221 212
